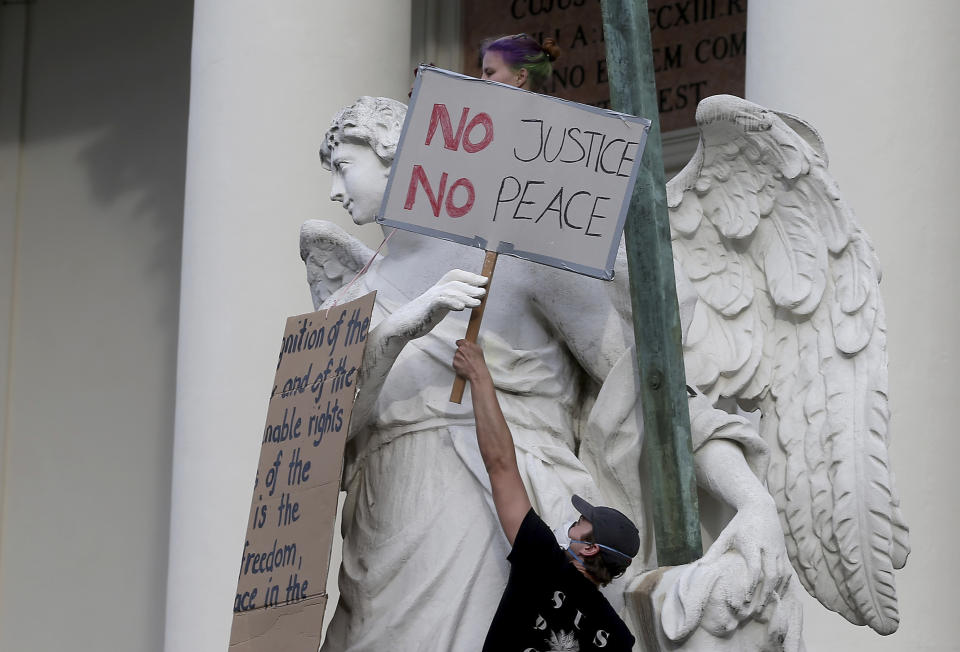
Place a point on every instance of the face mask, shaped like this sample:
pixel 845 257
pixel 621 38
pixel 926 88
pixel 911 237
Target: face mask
pixel 562 534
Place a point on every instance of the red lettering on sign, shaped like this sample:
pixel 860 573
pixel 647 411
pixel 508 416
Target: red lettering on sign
pixel 442 116
pixel 419 176
pixel 460 211
pixel 479 119
pixel 436 200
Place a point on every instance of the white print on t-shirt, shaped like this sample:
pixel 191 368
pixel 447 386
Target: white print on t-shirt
pixel 566 641
pixel 563 642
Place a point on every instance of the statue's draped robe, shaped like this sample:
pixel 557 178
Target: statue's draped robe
pixel 424 556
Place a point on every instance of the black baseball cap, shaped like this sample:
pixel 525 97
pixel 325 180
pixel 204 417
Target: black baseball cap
pixel 612 531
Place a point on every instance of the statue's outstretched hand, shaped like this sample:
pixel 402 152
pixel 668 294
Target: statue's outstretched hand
pixel 755 534
pixel 744 575
pixel 743 578
pixel 456 290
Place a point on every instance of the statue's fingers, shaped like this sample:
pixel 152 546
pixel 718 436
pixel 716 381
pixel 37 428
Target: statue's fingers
pixel 449 301
pixel 456 275
pixel 769 579
pixel 783 574
pixel 456 300
pixel 466 288
pixel 754 570
pixel 470 302
pixel 448 276
pixel 465 277
pixel 755 595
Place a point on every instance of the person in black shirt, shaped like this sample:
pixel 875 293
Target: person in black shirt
pixel 552 599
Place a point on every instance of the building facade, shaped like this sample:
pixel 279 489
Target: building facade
pixel 156 161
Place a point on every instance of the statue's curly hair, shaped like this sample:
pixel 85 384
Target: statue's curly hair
pixel 372 121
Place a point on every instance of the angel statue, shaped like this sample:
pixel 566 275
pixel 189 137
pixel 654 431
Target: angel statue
pixel 777 287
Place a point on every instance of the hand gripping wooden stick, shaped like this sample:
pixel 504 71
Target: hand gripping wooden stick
pixel 473 327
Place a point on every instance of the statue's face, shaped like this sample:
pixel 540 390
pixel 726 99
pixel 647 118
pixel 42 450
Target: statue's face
pixel 359 180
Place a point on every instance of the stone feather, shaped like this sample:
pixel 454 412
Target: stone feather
pixel 791 320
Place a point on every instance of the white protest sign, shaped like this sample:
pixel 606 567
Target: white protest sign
pixel 510 171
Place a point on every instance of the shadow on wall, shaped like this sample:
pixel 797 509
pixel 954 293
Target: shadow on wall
pixel 116 73
pixel 104 127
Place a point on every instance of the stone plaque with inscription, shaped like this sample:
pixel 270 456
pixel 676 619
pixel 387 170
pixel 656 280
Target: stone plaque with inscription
pixel 699 48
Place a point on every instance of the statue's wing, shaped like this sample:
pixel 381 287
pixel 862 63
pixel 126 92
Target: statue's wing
pixel 333 258
pixel 790 319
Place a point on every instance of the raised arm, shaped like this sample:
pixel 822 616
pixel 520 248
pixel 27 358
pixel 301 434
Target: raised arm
pixel 494 438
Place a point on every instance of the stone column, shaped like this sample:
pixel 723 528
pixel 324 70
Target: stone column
pixel 879 82
pixel 266 79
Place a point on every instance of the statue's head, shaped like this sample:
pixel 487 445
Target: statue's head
pixel 358 149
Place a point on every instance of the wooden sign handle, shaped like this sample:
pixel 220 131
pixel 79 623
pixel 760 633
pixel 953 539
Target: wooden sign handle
pixel 473 327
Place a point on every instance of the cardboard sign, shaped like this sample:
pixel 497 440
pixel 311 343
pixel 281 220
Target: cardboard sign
pixel 506 170
pixel 281 590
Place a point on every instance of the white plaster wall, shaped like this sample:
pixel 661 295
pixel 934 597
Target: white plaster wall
pixel 12 41
pixel 266 80
pixel 91 306
pixel 879 81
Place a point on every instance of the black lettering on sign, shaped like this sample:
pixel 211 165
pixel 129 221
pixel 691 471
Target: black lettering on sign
pixel 299 469
pixel 288 511
pixel 265 562
pixel 523 200
pixel 296 589
pixel 330 420
pixel 594 214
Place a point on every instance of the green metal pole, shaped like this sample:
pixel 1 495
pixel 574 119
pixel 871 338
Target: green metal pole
pixel 656 317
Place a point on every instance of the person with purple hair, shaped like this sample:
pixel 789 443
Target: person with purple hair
pixel 519 60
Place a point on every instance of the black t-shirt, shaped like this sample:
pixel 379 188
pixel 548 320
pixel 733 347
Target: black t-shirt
pixel 548 604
